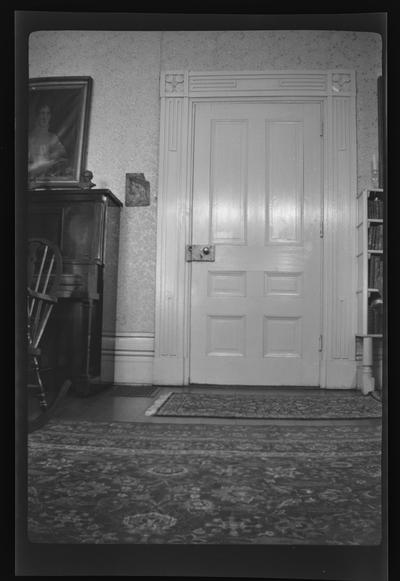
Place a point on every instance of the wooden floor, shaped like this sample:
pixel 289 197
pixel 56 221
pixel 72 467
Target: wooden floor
pixel 105 407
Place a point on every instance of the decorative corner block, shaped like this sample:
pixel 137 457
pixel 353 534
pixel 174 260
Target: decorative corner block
pixel 341 82
pixel 175 84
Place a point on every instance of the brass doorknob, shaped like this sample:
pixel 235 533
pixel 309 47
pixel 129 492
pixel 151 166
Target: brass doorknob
pixel 206 250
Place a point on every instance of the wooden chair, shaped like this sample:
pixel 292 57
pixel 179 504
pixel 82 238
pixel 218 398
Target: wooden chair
pixel 44 273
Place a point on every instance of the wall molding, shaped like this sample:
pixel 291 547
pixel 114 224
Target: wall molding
pixel 256 83
pixel 127 358
pixel 180 91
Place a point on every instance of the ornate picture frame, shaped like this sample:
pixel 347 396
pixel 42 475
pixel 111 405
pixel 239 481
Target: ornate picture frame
pixel 59 110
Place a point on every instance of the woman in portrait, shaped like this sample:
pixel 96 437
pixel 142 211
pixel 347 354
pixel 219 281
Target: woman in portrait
pixel 47 155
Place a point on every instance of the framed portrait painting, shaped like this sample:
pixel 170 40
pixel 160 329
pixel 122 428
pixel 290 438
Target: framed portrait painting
pixel 59 110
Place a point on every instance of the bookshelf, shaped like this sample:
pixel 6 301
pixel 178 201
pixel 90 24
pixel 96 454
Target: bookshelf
pixel 370 224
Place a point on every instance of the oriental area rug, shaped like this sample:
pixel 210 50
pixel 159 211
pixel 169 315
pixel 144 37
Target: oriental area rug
pixel 320 404
pixel 121 482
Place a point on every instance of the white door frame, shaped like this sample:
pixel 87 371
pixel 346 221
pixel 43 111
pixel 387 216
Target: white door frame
pixel 180 91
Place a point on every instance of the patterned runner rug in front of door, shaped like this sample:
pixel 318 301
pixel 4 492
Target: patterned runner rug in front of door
pixel 320 404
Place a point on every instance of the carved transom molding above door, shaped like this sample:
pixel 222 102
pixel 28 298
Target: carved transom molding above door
pixel 197 84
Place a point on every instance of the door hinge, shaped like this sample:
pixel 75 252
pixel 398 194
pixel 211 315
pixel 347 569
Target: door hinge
pixel 322 128
pixel 321 229
pixel 320 343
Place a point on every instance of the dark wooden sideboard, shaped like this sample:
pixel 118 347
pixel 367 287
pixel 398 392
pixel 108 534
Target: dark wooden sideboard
pixel 78 222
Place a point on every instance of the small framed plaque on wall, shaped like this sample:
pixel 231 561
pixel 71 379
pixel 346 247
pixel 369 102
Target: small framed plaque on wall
pixel 137 190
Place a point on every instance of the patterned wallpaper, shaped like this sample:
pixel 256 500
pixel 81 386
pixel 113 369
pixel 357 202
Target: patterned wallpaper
pixel 125 115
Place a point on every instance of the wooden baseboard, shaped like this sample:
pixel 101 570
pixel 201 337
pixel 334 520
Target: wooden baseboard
pixel 128 358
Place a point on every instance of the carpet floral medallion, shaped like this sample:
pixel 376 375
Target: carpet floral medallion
pixel 320 404
pixel 100 482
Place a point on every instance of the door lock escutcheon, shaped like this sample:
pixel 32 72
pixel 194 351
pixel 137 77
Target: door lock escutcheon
pixel 200 253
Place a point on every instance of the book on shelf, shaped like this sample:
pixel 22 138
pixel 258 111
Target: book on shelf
pixel 375 273
pixel 380 236
pixel 370 237
pixel 375 237
pixel 375 208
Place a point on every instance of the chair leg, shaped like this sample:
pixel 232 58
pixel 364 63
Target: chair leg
pixel 42 393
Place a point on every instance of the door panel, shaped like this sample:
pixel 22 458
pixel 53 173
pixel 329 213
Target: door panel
pixel 228 195
pixel 255 311
pixel 284 163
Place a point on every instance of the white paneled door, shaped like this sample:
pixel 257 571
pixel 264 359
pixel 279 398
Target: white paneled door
pixel 255 310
